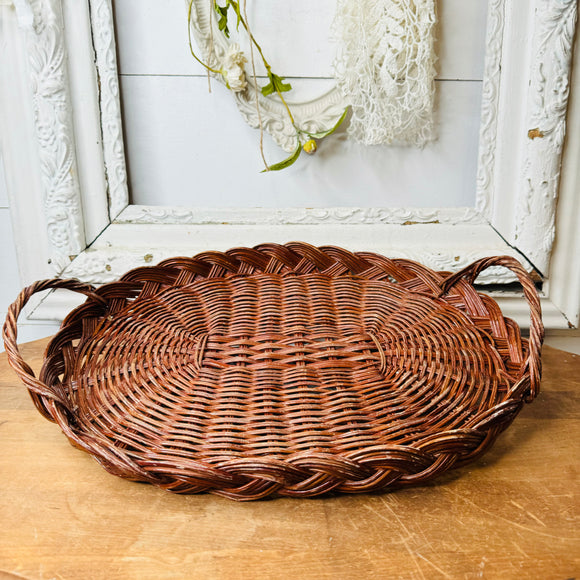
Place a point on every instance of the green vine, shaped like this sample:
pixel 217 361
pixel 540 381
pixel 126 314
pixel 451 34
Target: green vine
pixel 275 85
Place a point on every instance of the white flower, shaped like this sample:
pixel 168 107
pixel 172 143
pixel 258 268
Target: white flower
pixel 233 68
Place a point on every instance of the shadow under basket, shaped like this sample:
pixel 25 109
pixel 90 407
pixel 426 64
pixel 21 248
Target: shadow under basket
pixel 284 369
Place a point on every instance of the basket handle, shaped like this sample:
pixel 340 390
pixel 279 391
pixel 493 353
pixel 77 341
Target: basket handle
pixel 10 333
pixel 536 339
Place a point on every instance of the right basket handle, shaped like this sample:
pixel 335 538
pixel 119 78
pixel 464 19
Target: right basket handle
pixel 536 327
pixel 10 333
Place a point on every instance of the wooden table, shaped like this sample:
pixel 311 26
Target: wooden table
pixel 513 514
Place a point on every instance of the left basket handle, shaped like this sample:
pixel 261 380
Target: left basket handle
pixel 10 332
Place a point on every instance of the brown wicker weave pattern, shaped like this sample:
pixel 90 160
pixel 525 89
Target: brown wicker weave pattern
pixel 285 369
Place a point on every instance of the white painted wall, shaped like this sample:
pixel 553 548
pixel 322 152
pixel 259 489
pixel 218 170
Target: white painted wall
pixel 187 147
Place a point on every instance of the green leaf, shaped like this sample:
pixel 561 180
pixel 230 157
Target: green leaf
pixel 282 86
pixel 222 12
pixel 276 85
pixel 286 162
pixel 324 134
pixel 268 89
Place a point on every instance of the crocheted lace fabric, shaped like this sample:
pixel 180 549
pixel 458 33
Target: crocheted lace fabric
pixel 386 69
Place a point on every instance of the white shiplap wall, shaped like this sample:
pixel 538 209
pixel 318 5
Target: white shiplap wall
pixel 188 147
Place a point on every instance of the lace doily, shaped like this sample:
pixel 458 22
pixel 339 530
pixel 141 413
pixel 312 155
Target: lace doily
pixel 386 69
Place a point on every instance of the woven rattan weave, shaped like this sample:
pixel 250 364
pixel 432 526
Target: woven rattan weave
pixel 289 370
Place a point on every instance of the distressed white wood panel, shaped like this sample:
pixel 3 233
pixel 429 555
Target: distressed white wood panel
pixel 84 109
pixel 564 278
pixel 152 37
pixel 187 147
pixel 509 154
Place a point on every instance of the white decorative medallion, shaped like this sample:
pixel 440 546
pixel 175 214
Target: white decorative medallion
pixel 313 116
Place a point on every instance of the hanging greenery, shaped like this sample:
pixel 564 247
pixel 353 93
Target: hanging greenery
pixel 233 73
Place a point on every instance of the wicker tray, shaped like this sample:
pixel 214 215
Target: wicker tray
pixel 289 370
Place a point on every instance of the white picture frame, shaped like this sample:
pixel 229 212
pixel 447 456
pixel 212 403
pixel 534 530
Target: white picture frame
pixel 71 212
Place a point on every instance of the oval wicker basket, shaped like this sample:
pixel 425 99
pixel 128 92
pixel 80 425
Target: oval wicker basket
pixel 289 370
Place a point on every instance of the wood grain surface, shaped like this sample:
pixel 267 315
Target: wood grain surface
pixel 512 514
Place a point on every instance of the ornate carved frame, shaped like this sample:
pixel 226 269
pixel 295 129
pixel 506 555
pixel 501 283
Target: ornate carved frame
pixel 69 106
